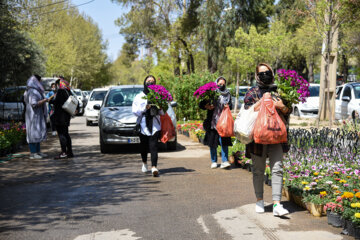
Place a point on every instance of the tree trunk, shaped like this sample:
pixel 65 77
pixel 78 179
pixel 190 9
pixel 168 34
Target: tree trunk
pixel 237 91
pixel 345 72
pixel 311 70
pixel 211 65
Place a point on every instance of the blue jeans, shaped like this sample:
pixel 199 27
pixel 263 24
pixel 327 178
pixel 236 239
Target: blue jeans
pixel 224 153
pixel 34 147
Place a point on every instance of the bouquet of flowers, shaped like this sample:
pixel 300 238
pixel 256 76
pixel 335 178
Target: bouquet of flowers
pixel 207 92
pixel 159 96
pixel 292 87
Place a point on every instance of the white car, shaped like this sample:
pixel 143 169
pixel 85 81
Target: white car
pixel 96 97
pixel 310 108
pixel 347 102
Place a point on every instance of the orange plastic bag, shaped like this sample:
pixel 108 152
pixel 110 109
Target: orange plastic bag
pixel 167 128
pixel 225 124
pixel 269 128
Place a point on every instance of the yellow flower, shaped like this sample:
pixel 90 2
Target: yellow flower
pixel 348 176
pixel 353 205
pixel 337 173
pixel 284 179
pixel 357 215
pixel 307 188
pixel 304 183
pixel 342 181
pixel 347 195
pixel 357 205
pixel 316 173
pixel 316 180
pixel 324 193
pixel 357 195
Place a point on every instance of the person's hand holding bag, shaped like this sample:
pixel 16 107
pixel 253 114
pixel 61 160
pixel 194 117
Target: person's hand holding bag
pixel 225 124
pixel 269 128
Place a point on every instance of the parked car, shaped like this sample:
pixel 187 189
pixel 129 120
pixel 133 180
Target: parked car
pixel 241 96
pixel 117 122
pixel 310 108
pixel 11 103
pixel 347 100
pixel 96 97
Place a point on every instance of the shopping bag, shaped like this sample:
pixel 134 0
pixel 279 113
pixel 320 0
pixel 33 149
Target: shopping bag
pixel 167 128
pixel 225 124
pixel 269 128
pixel 244 124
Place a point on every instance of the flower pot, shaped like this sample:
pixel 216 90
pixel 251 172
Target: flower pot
pixel 334 219
pixel 193 137
pixel 350 228
pixel 316 209
pixel 287 194
pixel 308 207
pixel 154 111
pixel 232 159
pixel 356 232
pixel 186 133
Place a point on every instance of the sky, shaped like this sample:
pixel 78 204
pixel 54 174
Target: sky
pixel 104 13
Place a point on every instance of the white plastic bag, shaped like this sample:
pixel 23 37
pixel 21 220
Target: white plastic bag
pixel 244 124
pixel 70 105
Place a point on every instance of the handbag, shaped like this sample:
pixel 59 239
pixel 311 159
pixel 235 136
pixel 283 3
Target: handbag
pixel 244 124
pixel 71 104
pixel 137 128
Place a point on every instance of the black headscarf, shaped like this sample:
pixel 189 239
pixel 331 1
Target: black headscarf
pixel 148 117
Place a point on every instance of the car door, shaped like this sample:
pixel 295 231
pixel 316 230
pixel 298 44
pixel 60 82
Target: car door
pixel 338 102
pixel 345 104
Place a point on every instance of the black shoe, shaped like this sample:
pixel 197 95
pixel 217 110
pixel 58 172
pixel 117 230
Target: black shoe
pixel 61 156
pixel 70 155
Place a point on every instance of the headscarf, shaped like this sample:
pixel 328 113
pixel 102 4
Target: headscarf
pixel 258 81
pixel 34 83
pixel 64 84
pixel 148 117
pixel 223 99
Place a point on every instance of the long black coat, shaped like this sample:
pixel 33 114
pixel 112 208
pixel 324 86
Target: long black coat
pixel 211 135
pixel 61 117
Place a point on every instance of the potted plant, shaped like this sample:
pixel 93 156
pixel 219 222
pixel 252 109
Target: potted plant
pixel 334 211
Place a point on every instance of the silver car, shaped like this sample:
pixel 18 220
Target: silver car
pixel 116 120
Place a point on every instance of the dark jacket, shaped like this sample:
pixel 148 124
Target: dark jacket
pixel 61 117
pixel 252 96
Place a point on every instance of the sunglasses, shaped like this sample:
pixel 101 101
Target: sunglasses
pixel 268 73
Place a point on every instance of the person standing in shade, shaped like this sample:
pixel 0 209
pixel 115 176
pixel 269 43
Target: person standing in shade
pixel 212 137
pixel 150 126
pixel 259 152
pixel 51 109
pixel 35 116
pixel 62 118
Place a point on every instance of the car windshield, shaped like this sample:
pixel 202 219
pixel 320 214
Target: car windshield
pixel 98 95
pixel 242 92
pixel 122 97
pixel 13 94
pixel 357 91
pixel 78 93
pixel 314 91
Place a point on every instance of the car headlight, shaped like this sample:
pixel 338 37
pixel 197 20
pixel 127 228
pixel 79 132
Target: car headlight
pixel 109 122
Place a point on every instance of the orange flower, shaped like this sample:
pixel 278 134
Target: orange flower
pixel 357 195
pixel 347 195
pixel 355 190
pixel 337 192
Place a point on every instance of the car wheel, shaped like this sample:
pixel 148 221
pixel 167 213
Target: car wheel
pixel 104 148
pixel 171 146
pixel 296 112
pixel 88 123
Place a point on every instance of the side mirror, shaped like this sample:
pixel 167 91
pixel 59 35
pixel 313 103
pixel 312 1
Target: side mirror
pixel 346 99
pixel 173 104
pixel 97 107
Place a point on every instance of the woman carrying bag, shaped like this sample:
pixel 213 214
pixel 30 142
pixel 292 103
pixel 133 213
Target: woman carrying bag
pixel 259 152
pixel 62 118
pixel 212 137
pixel 150 126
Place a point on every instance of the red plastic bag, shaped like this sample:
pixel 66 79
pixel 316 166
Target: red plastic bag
pixel 269 128
pixel 167 128
pixel 225 124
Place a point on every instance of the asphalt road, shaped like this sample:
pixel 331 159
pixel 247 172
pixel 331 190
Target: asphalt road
pixel 106 196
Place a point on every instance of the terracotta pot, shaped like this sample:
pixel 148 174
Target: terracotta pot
pixel 316 209
pixel 287 194
pixel 308 207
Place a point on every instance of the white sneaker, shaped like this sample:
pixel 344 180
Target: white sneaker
pixel 213 165
pixel 35 156
pixel 144 168
pixel 259 208
pixel 154 172
pixel 42 154
pixel 53 133
pixel 279 210
pixel 225 164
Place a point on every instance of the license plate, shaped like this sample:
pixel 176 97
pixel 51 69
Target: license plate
pixel 134 140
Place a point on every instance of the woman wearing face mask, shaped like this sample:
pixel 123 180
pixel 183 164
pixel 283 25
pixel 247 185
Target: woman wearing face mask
pixel 212 137
pixel 51 109
pixel 150 127
pixel 35 116
pixel 259 152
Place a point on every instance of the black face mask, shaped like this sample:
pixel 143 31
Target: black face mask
pixel 221 87
pixel 266 77
pixel 149 83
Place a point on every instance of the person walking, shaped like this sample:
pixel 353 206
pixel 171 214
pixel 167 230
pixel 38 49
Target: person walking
pixel 35 116
pixel 62 118
pixel 150 127
pixel 212 137
pixel 49 95
pixel 259 152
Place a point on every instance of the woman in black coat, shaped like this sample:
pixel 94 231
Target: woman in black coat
pixel 212 137
pixel 62 118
